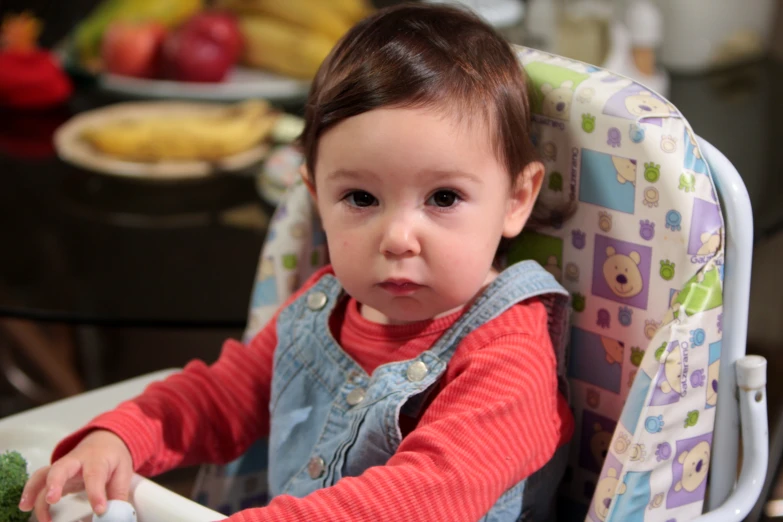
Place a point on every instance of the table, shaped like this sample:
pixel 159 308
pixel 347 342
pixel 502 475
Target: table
pixel 82 251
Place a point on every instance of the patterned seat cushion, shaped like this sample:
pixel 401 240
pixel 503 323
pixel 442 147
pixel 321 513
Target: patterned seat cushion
pixel 642 257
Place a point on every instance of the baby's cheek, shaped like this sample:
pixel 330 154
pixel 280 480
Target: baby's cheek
pixel 335 242
pixel 467 272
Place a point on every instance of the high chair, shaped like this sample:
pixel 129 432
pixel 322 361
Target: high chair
pixel 657 260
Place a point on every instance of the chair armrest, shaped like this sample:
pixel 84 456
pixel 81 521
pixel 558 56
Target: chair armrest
pixel 154 502
pixel 751 384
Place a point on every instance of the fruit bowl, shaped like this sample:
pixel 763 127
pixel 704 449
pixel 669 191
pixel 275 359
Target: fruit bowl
pixel 199 60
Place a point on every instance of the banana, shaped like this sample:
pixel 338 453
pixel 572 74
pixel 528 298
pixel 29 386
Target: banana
pixel 315 15
pixel 352 10
pixel 209 136
pixel 282 47
pixel 168 12
pixel 88 34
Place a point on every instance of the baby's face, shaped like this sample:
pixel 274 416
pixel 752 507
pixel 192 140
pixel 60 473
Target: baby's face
pixel 414 204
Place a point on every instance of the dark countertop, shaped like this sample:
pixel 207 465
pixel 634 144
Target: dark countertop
pixel 740 112
pixel 67 257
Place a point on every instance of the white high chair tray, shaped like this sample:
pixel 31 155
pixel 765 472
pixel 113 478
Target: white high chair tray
pixel 35 433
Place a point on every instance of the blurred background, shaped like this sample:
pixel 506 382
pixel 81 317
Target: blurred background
pixel 120 255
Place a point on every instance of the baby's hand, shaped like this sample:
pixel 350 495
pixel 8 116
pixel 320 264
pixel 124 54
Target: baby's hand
pixel 101 464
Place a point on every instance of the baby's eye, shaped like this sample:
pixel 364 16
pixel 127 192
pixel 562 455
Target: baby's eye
pixel 444 198
pixel 360 198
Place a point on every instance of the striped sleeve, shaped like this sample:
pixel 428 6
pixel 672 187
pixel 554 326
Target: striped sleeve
pixel 201 414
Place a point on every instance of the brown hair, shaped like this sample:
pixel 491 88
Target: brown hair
pixel 418 55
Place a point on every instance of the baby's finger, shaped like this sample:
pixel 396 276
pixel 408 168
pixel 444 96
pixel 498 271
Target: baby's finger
pixel 119 484
pixel 35 484
pixel 60 472
pixel 96 475
pixel 42 508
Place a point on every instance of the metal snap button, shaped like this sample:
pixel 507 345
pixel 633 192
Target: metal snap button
pixel 316 467
pixel 316 300
pixel 355 396
pixel 417 370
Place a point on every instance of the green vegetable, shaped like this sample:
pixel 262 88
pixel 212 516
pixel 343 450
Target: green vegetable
pixel 13 477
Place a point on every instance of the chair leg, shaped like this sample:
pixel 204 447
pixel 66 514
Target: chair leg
pixel 50 352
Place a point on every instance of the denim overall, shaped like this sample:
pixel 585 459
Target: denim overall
pixel 329 419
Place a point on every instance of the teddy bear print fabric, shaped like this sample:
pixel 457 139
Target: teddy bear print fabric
pixel 640 251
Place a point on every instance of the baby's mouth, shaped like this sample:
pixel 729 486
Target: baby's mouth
pixel 400 286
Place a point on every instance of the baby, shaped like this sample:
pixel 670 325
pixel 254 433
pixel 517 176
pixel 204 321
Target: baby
pixel 411 379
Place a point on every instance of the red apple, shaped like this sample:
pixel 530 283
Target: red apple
pixel 133 48
pixel 221 28
pixel 204 49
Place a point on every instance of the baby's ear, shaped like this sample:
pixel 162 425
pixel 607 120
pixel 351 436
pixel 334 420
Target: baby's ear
pixel 307 180
pixel 523 197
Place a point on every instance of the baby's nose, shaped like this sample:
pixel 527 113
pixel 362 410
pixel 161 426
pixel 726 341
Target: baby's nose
pixel 400 238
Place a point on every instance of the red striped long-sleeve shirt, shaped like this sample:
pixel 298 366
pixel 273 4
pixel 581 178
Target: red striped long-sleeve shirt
pixel 496 418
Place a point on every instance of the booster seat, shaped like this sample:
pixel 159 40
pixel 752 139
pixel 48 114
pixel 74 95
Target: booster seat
pixel 644 260
pixel 657 261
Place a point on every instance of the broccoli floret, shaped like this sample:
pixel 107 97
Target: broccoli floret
pixel 13 476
